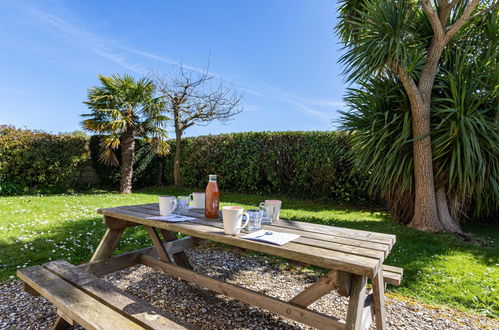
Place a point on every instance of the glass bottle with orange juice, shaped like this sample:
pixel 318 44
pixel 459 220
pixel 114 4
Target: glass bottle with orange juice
pixel 212 199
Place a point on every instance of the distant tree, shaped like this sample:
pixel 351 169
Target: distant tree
pixel 122 109
pixel 424 106
pixel 78 133
pixel 190 99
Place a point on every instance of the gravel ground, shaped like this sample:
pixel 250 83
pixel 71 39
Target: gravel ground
pixel 208 310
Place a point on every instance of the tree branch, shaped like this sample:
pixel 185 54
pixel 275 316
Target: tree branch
pixel 452 30
pixel 483 11
pixel 409 84
pixel 432 15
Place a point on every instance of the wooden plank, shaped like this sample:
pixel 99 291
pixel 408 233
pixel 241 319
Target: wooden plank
pixel 345 232
pixel 116 263
pixel 69 320
pixel 79 306
pixel 30 290
pixel 61 324
pixel 334 280
pixel 141 209
pixel 179 245
pixel 344 243
pixel 107 244
pixel 316 256
pixel 379 300
pixel 103 291
pixel 126 260
pixel 356 303
pixel 113 223
pixel 392 275
pixel 342 282
pixel 314 242
pixel 355 233
pixel 274 305
pixel 361 251
pixel 315 291
pixel 367 313
pixel 180 258
pixel 158 245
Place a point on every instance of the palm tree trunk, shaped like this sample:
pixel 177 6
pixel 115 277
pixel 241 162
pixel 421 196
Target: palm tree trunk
pixel 127 153
pixel 176 161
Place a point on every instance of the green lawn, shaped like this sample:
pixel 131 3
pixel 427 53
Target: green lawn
pixel 439 269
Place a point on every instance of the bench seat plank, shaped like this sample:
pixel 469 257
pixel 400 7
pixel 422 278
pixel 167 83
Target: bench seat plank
pixel 79 306
pixel 392 275
pixel 106 292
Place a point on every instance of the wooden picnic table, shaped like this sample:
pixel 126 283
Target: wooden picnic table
pixel 353 256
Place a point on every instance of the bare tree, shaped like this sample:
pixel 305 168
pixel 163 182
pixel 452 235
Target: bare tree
pixel 192 98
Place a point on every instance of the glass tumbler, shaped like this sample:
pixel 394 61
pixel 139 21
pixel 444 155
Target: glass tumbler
pixel 266 213
pixel 255 220
pixel 183 205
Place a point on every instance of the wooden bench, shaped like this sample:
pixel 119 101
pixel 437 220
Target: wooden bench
pixel 392 275
pixel 82 298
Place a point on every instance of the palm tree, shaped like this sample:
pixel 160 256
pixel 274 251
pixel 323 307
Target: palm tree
pixel 424 108
pixel 122 109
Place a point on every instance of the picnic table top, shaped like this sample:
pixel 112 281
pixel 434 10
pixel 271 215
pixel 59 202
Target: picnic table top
pixel 354 251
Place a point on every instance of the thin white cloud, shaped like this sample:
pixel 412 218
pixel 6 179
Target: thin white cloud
pixel 76 32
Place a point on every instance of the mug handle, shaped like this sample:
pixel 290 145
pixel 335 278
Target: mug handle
pixel 191 197
pixel 261 205
pixel 174 201
pixel 247 220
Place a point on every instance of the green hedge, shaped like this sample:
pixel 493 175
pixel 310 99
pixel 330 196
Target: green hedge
pixel 33 159
pixel 303 164
pixel 146 168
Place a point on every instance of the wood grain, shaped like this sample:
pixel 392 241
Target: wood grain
pixel 141 311
pixel 107 244
pixel 338 237
pixel 356 304
pixel 79 306
pixel 379 300
pixel 296 313
pixel 309 254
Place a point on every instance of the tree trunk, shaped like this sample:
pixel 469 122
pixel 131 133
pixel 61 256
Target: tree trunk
pixel 426 216
pixel 444 215
pixel 425 206
pixel 127 153
pixel 176 161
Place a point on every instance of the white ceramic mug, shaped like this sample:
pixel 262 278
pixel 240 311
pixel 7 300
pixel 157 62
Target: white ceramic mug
pixel 233 217
pixel 275 204
pixel 197 199
pixel 167 204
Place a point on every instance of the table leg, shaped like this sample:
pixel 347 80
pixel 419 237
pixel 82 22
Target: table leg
pixel 357 301
pixel 107 244
pixel 158 245
pixel 61 324
pixel 180 258
pixel 379 300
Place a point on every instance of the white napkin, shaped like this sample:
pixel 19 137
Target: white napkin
pixel 171 218
pixel 272 237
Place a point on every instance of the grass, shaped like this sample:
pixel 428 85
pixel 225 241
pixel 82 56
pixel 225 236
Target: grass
pixel 438 269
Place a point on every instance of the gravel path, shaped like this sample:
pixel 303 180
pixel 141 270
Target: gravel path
pixel 208 310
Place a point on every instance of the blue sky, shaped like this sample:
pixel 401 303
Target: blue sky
pixel 282 54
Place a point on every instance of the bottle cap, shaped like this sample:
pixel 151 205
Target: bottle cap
pixel 213 177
